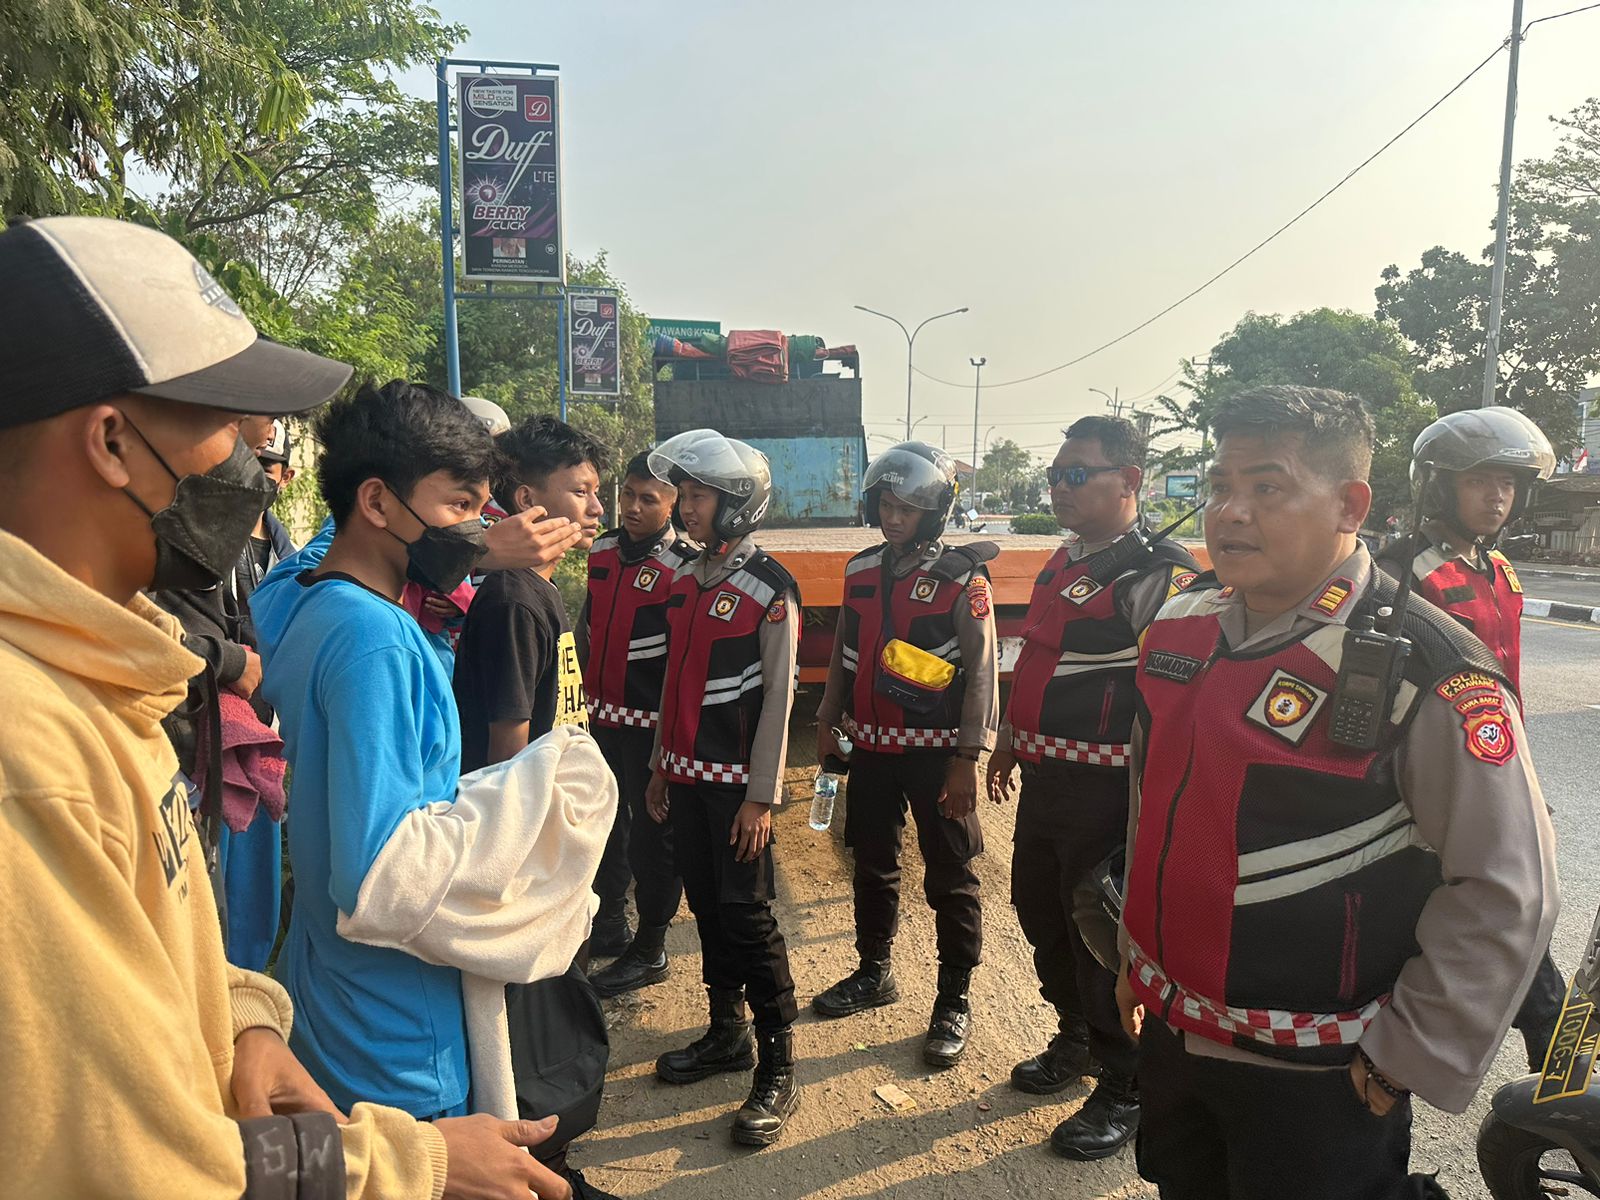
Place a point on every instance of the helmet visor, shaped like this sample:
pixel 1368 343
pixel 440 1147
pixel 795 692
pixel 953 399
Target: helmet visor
pixel 910 478
pixel 703 455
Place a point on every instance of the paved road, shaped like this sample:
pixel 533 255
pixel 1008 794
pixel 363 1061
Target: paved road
pixel 1573 591
pixel 1561 682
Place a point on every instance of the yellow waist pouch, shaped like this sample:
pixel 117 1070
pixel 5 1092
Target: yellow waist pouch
pixel 913 678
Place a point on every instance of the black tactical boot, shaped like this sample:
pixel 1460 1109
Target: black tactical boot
pixel 1064 1061
pixel 774 1095
pixel 726 1046
pixel 871 985
pixel 641 964
pixel 952 1014
pixel 611 934
pixel 1105 1124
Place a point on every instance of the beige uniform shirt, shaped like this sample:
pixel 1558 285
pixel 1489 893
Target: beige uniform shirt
pixel 780 647
pixel 980 704
pixel 1483 931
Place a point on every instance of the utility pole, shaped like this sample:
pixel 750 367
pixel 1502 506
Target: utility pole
pixel 1112 401
pixel 977 393
pixel 1497 286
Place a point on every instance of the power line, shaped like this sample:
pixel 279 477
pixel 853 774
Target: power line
pixel 1264 242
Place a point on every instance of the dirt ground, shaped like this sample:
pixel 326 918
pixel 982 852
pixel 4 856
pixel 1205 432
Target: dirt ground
pixel 970 1133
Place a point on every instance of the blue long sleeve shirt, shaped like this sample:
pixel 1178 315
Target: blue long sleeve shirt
pixel 371 733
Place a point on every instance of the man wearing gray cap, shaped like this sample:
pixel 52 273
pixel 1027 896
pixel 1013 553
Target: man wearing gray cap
pixel 152 1067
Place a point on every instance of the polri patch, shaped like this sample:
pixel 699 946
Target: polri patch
pixel 646 578
pixel 1164 664
pixel 1489 736
pixel 1459 685
pixel 1287 706
pixel 1180 581
pixel 1082 589
pixel 978 597
pixel 1334 597
pixel 725 605
pixel 1511 577
pixel 778 610
pixel 924 589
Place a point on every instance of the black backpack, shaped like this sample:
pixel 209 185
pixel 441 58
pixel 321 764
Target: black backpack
pixel 559 1052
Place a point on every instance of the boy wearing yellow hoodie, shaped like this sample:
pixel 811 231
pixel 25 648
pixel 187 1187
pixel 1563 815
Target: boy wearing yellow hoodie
pixel 141 1063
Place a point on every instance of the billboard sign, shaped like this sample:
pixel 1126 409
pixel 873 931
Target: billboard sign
pixel 1183 487
pixel 510 147
pixel 682 330
pixel 593 344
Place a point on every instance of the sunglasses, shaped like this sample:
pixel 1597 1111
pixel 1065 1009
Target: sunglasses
pixel 1074 476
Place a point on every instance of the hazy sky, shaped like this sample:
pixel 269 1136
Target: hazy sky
pixel 1063 169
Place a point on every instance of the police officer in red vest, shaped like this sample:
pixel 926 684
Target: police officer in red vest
pixel 1476 470
pixel 733 630
pixel 1341 872
pixel 622 639
pixel 914 681
pixel 1068 723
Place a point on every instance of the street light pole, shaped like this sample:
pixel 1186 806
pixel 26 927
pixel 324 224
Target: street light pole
pixel 1497 286
pixel 977 391
pixel 911 342
pixel 1112 401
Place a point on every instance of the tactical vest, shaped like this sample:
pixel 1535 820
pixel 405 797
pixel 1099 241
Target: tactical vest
pixel 923 612
pixel 1276 877
pixel 1489 603
pixel 628 628
pixel 1072 692
pixel 712 701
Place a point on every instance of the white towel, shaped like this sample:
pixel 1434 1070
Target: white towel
pixel 498 884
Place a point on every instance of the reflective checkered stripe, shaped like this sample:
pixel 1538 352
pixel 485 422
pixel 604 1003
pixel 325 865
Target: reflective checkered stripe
pixel 1095 754
pixel 690 770
pixel 1183 1009
pixel 615 715
pixel 875 737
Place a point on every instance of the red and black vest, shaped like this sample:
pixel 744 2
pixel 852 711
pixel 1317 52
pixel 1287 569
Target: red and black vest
pixel 1276 877
pixel 628 626
pixel 1072 691
pixel 712 701
pixel 1488 601
pixel 922 609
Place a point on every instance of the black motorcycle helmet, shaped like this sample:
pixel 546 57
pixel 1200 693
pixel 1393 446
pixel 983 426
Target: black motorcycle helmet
pixel 917 474
pixel 1478 437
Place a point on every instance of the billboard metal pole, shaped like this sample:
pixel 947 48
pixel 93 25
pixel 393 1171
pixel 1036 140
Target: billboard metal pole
pixel 1497 285
pixel 561 350
pixel 447 233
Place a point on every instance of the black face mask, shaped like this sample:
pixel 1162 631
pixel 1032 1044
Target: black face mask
pixel 271 496
pixel 445 554
pixel 200 535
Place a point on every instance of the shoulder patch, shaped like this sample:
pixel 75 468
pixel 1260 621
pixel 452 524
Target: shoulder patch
pixel 778 610
pixel 1466 683
pixel 978 598
pixel 1488 731
pixel 1334 597
pixel 1180 581
pixel 1512 581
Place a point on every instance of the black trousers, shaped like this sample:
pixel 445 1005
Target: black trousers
pixel 1069 818
pixel 1212 1129
pixel 1541 1007
pixel 740 946
pixel 638 849
pixel 882 788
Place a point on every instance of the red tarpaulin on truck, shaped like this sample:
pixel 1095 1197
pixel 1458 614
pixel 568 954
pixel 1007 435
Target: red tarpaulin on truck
pixel 760 355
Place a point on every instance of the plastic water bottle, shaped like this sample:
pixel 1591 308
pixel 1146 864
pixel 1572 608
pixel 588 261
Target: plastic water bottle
pixel 822 798
pixel 826 789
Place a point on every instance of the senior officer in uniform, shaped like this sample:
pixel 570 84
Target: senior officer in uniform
pixel 1301 962
pixel 1476 470
pixel 1069 719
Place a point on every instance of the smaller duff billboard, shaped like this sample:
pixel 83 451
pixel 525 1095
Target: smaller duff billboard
pixel 593 345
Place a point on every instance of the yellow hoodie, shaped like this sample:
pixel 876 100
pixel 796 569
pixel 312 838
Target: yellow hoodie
pixel 118 1007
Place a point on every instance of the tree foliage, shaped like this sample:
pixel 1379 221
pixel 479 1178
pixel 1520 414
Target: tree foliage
pixel 1008 471
pixel 1550 325
pixel 1322 348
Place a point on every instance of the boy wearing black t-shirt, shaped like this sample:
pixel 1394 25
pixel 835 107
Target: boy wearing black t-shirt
pixel 517 674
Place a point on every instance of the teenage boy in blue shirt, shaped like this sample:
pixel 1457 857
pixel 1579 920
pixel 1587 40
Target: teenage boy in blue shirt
pixel 371 733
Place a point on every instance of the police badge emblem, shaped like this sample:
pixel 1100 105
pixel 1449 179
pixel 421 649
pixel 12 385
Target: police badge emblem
pixel 1286 707
pixel 1082 589
pixel 924 589
pixel 646 578
pixel 725 605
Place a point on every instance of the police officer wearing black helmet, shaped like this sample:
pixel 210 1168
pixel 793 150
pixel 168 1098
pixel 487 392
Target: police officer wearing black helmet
pixel 1475 472
pixel 913 680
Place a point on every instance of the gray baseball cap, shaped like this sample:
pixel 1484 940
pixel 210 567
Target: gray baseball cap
pixel 91 307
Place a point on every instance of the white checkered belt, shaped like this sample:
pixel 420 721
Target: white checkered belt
pixel 1096 754
pixel 870 736
pixel 693 768
pixel 1224 1023
pixel 616 714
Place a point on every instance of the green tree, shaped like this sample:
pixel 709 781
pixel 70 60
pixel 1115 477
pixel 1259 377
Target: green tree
pixel 1008 471
pixel 1321 348
pixel 1550 325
